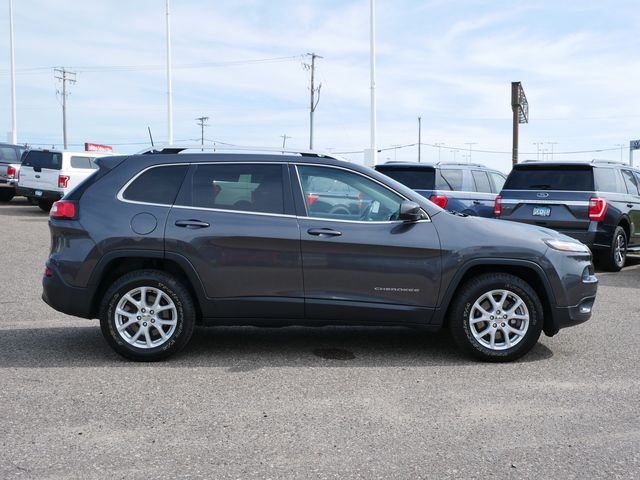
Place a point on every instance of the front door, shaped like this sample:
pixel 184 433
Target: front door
pixel 361 263
pixel 234 223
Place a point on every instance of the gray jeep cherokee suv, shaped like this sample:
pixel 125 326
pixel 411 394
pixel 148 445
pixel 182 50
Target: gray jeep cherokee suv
pixel 154 244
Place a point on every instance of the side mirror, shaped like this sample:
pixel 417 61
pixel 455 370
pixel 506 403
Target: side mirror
pixel 410 211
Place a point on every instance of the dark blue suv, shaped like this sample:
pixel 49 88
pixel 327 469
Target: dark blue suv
pixel 468 188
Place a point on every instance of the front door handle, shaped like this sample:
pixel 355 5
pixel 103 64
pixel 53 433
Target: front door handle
pixel 322 232
pixel 630 205
pixel 191 224
pixel 477 202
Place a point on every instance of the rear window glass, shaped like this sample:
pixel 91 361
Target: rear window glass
pixel 43 159
pixel 8 155
pixel 83 162
pixel 571 178
pixel 242 187
pixel 158 185
pixel 414 178
pixel 449 179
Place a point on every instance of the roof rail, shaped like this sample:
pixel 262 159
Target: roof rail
pixel 175 149
pixel 608 162
pixel 462 164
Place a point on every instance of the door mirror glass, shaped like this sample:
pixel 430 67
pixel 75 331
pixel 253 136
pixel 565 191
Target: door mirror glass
pixel 410 211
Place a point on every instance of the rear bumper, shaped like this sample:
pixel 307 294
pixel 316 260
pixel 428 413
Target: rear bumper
pixel 64 298
pixel 44 195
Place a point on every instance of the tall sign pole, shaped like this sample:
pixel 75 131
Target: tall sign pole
pixel 169 87
pixel 374 148
pixel 520 108
pixel 419 138
pixel 633 145
pixel 14 128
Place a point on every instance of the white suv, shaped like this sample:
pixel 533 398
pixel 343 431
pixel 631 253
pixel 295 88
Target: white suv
pixel 47 175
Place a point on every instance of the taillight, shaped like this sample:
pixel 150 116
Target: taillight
pixel 11 172
pixel 63 180
pixel 497 207
pixel 311 198
pixel 440 200
pixel 63 210
pixel 597 208
pixel 48 272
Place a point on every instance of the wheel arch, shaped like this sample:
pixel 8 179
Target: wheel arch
pixel 528 271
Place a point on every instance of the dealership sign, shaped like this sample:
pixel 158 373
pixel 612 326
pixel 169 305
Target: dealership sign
pixel 634 145
pixel 96 147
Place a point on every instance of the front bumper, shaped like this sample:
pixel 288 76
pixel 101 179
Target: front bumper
pixel 33 193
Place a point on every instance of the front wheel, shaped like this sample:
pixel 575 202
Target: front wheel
pixel 147 315
pixel 496 317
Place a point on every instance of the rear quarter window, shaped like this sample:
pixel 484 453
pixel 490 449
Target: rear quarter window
pixel 570 178
pixel 609 180
pixel 481 180
pixel 414 178
pixel 83 162
pixel 450 179
pixel 159 185
pixel 43 159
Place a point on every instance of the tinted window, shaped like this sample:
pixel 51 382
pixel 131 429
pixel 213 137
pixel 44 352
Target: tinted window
pixel 630 181
pixel 609 180
pixel 415 178
pixel 243 187
pixel 363 200
pixel 482 181
pixel 562 177
pixel 83 162
pixel 43 159
pixel 158 185
pixel 498 181
pixel 449 179
pixel 8 155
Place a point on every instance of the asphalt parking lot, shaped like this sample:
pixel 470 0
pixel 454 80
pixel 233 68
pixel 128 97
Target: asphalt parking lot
pixel 308 403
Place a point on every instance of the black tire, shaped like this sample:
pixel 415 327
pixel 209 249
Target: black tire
pixel 45 205
pixel 609 259
pixel 6 194
pixel 184 309
pixel 462 307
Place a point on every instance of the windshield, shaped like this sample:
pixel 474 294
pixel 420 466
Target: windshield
pixel 560 177
pixel 414 178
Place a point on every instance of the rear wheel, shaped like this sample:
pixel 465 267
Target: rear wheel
pixel 6 194
pixel 496 317
pixel 614 258
pixel 147 315
pixel 45 205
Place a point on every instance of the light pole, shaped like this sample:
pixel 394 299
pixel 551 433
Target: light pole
pixel 284 140
pixel 537 144
pixel 552 144
pixel 419 138
pixel 202 121
pixel 621 145
pixel 14 128
pixel 439 145
pixel 471 144
pixel 169 88
pixel 454 154
pixel 374 148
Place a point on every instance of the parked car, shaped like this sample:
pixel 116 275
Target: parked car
pixel 47 175
pixel 460 187
pixel 10 157
pixel 595 202
pixel 154 244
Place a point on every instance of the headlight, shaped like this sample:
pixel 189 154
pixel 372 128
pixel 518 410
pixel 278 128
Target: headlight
pixel 566 246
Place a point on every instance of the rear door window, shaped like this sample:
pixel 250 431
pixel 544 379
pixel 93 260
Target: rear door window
pixel 562 177
pixel 43 159
pixel 449 179
pixel 158 185
pixel 609 180
pixel 422 178
pixel 630 181
pixel 481 180
pixel 245 187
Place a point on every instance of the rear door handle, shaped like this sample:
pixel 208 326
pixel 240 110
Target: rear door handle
pixel 630 205
pixel 191 224
pixel 321 232
pixel 477 202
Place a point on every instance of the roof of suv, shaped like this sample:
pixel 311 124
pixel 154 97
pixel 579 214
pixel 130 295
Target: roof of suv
pixel 577 163
pixel 393 164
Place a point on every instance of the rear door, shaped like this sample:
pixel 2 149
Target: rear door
pixel 483 203
pixel 40 170
pixel 234 222
pixel 633 203
pixel 365 265
pixel 553 196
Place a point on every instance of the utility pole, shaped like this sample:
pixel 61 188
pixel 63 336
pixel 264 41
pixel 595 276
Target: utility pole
pixel 552 144
pixel 439 145
pixel 419 137
pixel 284 140
pixel 313 102
pixel 64 76
pixel 537 144
pixel 14 128
pixel 471 144
pixel 374 147
pixel 621 145
pixel 454 155
pixel 169 83
pixel 202 122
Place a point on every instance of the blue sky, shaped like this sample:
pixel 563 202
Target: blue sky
pixel 450 62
